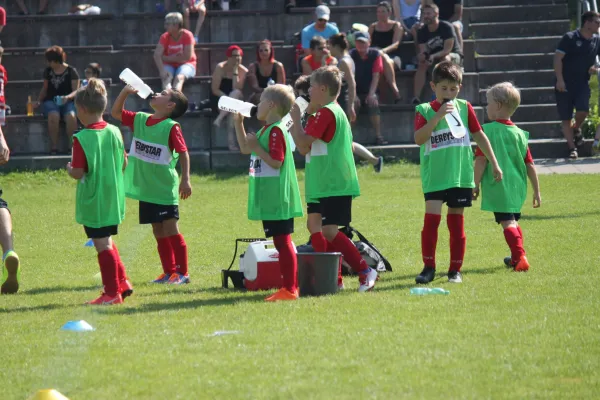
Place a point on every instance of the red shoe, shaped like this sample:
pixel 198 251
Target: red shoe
pixel 106 300
pixel 126 289
pixel 522 265
pixel 282 295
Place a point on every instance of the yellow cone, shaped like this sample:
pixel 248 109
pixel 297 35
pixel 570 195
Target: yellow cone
pixel 48 394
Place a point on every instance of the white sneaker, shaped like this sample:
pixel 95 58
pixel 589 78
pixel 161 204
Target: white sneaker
pixel 367 282
pixel 454 277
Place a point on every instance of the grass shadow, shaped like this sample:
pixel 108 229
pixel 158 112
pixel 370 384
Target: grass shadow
pixel 196 303
pixel 44 307
pixel 57 289
pixel 561 216
pixel 186 291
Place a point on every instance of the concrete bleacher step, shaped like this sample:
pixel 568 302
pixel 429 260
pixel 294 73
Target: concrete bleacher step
pixel 519 29
pixel 491 3
pixel 525 12
pixel 521 78
pixel 535 95
pixel 535 112
pixel 202 160
pixel 511 62
pixel 503 46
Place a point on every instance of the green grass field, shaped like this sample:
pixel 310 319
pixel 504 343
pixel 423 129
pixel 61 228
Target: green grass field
pixel 498 335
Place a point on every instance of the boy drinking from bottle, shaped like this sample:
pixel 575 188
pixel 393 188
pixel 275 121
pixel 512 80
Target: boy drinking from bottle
pixel 273 194
pixel 331 180
pixel 98 162
pixel 447 167
pixel 505 199
pixel 151 176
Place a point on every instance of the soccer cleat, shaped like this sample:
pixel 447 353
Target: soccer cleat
pixel 126 289
pixel 367 280
pixel 508 262
pixel 522 265
pixel 377 167
pixel 573 154
pixel 106 300
pixel 178 279
pixel 10 273
pixel 162 278
pixel 283 295
pixel 426 276
pixel 454 277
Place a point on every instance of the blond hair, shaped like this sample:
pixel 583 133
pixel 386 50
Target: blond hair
pixel 92 97
pixel 506 94
pixel 282 96
pixel 330 77
pixel 174 18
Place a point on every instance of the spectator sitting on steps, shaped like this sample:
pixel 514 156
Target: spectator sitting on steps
pixel 386 35
pixel 574 62
pixel 319 56
pixel 174 55
pixel 194 6
pixel 321 27
pixel 264 70
pixel 61 82
pixel 228 79
pixel 437 42
pixel 368 65
pixel 451 11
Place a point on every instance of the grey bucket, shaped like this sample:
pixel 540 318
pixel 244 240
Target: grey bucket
pixel 317 273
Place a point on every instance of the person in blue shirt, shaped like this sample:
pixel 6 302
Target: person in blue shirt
pixel 321 27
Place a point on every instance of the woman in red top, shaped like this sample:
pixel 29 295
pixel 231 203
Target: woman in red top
pixel 265 69
pixel 319 56
pixel 174 55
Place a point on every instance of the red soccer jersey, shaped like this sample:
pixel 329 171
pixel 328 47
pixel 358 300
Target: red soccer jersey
pixel 322 126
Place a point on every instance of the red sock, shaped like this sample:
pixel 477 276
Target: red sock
pixel 287 261
pixel 330 249
pixel 429 237
pixel 181 255
pixel 458 240
pixel 109 270
pixel 318 242
pixel 520 231
pixel 514 239
pixel 345 246
pixel 121 274
pixel 167 257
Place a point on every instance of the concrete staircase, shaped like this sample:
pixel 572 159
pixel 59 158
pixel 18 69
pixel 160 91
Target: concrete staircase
pixel 496 49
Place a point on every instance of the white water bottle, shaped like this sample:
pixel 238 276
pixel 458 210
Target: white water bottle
pixel 287 120
pixel 130 78
pixel 455 123
pixel 237 106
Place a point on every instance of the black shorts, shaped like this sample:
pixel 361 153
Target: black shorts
pixel 3 204
pixel 334 210
pixel 277 228
pixel 99 233
pixel 361 104
pixel 502 217
pixel 151 213
pixel 577 98
pixel 453 197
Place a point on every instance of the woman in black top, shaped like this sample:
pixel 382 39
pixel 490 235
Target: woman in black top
pixel 386 35
pixel 265 69
pixel 61 82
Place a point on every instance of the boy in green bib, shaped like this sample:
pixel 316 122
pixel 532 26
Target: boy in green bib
pixel 505 199
pixel 152 179
pixel 98 162
pixel 447 166
pixel 331 180
pixel 273 194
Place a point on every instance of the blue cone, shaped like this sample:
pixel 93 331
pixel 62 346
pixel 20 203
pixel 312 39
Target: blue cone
pixel 89 243
pixel 77 326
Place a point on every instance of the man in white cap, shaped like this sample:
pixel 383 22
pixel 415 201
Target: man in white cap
pixel 321 27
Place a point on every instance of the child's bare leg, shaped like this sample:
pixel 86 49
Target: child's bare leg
pixel 102 244
pixel 170 227
pixel 362 152
pixel 6 238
